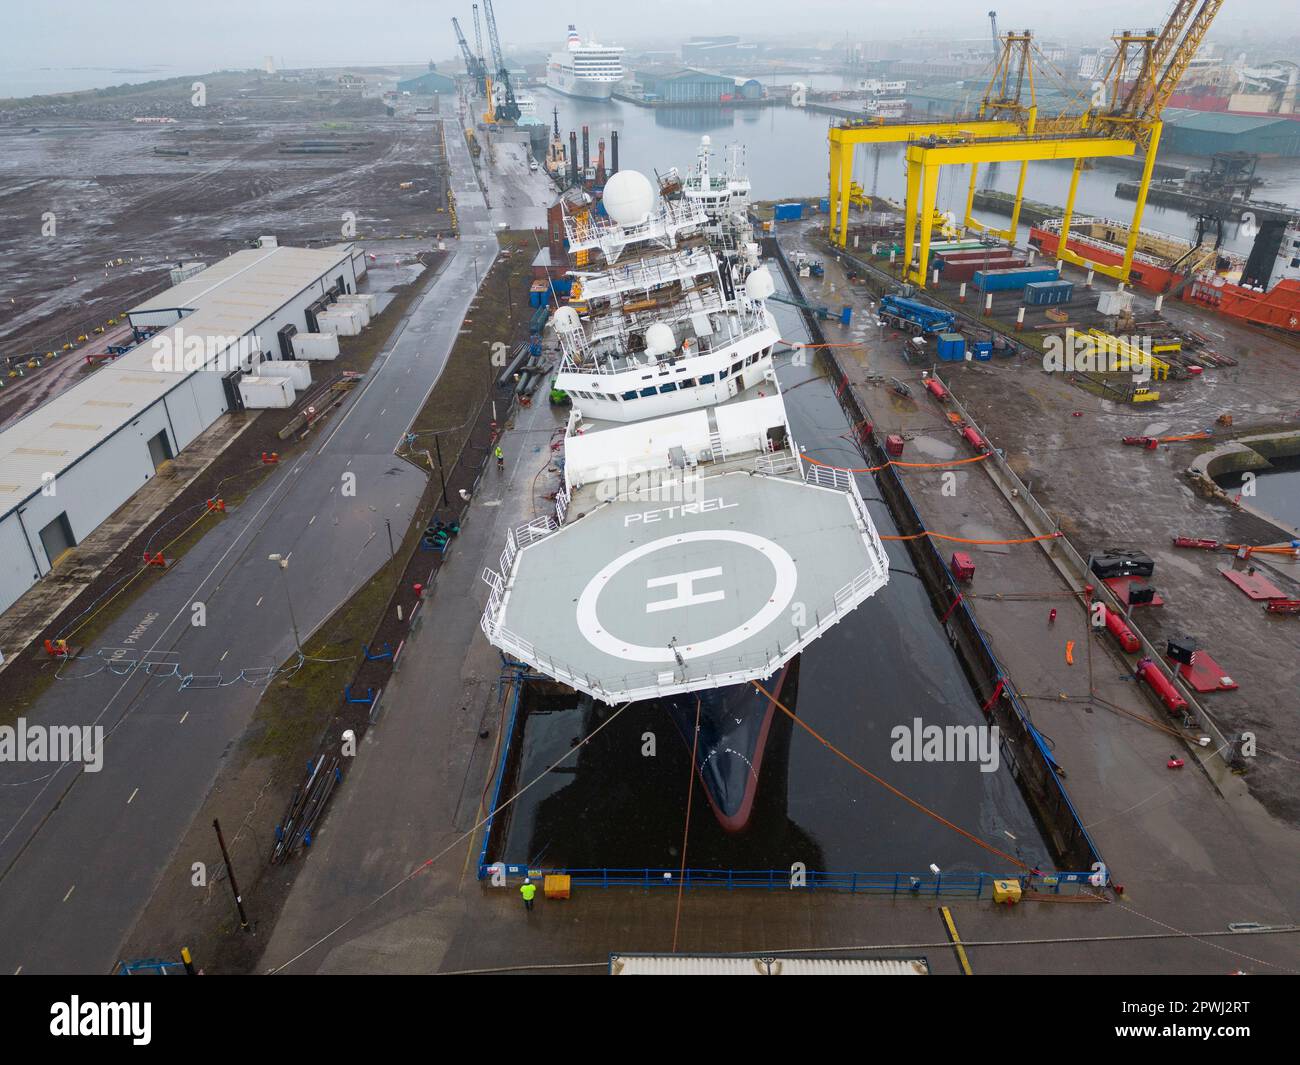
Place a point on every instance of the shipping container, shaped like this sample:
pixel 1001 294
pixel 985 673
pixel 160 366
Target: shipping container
pixel 788 212
pixel 966 270
pixel 262 393
pixel 951 347
pixel 1041 293
pixel 357 307
pixel 983 350
pixel 1006 280
pixel 991 251
pixel 824 205
pixel 298 372
pixel 315 346
pixel 341 320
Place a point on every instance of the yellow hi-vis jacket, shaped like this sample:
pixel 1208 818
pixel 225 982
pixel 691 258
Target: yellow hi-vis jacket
pixel 528 891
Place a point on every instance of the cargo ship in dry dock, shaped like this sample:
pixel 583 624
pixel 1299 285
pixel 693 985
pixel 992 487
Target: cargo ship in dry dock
pixel 1262 288
pixel 693 553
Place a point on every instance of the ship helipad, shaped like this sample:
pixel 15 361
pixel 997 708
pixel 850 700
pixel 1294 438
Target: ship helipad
pixel 719 580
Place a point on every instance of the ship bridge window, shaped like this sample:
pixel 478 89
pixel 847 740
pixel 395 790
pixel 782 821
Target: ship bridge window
pixel 630 395
pixel 688 383
pixel 671 386
pixel 751 360
pixel 648 391
pixel 706 379
pixel 735 366
pixel 722 374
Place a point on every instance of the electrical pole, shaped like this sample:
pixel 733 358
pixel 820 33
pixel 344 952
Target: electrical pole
pixel 389 526
pixel 442 476
pixel 230 872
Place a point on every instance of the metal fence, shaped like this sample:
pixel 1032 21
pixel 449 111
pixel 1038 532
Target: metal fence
pixel 925 884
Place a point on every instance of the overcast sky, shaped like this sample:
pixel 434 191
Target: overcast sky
pixel 200 35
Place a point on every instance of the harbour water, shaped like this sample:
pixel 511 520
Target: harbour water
pixel 1277 491
pixel 788 157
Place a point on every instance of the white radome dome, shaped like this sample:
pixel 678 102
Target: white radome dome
pixel 759 284
pixel 629 197
pixel 566 320
pixel 659 339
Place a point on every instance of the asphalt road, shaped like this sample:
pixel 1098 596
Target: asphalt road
pixel 80 852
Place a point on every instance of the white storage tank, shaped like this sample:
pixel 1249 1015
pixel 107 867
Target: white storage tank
pixel 316 345
pixel 339 320
pixel 260 393
pixel 298 373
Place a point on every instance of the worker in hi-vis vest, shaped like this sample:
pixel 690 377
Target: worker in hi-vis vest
pixel 529 891
pixel 501 457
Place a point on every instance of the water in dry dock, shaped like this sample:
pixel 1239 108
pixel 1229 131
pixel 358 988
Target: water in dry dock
pixel 884 665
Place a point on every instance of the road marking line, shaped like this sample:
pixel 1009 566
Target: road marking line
pixel 133 795
pixel 957 947
pixel 183 717
pixel 259 600
pixel 383 412
pixel 70 891
pixel 18 970
pixel 313 518
pixel 366 437
pixel 224 653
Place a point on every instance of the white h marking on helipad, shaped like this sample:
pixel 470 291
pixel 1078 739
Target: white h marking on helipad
pixel 686 594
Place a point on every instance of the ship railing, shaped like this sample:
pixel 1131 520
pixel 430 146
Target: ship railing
pixel 1054 225
pixel 774 465
pixel 562 498
pixel 646 275
pixel 537 529
pixel 828 477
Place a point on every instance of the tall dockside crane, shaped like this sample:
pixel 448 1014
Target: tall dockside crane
pixel 508 108
pixel 473 65
pixel 1122 117
pixel 478 39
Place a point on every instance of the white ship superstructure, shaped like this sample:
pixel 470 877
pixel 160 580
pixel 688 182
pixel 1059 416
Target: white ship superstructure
pixel 669 325
pixel 585 69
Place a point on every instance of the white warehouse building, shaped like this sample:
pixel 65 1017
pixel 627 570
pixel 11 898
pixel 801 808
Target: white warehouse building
pixel 69 464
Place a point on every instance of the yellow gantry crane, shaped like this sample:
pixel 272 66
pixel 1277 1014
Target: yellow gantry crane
pixel 1122 116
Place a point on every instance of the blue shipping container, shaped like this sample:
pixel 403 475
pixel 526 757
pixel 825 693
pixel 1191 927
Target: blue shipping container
pixel 1004 280
pixel 1039 293
pixel 951 347
pixel 984 350
pixel 825 205
pixel 788 212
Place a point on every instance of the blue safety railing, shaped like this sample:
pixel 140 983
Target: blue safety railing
pixel 927 884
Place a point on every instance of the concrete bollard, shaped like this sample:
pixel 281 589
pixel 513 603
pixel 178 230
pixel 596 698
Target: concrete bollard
pixel 1160 299
pixel 936 277
pixel 988 304
pixel 1087 282
pixel 1020 319
pixel 961 293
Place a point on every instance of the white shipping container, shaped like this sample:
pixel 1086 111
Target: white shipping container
pixel 260 393
pixel 299 373
pixel 1113 302
pixel 316 345
pixel 340 321
pixel 369 299
pixel 347 303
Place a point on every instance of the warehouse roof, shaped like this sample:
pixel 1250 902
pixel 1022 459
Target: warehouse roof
pixel 230 299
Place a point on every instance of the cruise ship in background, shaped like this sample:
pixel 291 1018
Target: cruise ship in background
pixel 586 70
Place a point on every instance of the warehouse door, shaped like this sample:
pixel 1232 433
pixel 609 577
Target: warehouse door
pixel 57 538
pixel 160 449
pixel 230 385
pixel 286 336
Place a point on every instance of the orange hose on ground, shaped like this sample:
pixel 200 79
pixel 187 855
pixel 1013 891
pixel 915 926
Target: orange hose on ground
pixel 884 783
pixel 1069 652
pixel 961 540
pixel 892 462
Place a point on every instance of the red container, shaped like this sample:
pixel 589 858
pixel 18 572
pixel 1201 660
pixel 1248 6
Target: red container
pixel 966 269
pixel 936 388
pixel 974 439
pixel 893 445
pixel 963 566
